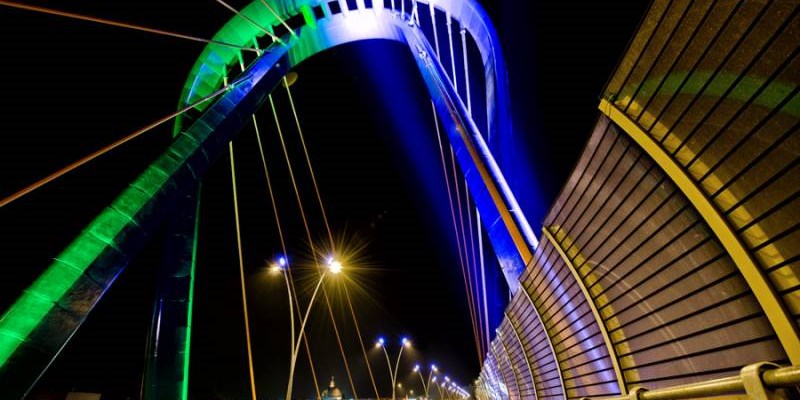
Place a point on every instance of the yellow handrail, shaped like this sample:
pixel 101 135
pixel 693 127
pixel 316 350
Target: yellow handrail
pixel 758 381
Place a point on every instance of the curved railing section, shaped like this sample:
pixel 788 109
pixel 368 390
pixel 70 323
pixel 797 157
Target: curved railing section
pixel 671 251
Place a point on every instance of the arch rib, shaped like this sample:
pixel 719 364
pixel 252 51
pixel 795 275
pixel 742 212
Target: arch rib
pixel 41 322
pixel 37 326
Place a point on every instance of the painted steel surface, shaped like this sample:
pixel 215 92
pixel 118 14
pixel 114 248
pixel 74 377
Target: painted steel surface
pixel 34 330
pixel 710 91
pixel 37 326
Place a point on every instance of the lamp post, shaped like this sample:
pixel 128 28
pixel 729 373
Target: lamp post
pixel 281 267
pixel 425 385
pixel 454 390
pixel 405 342
pixel 334 267
pixel 438 386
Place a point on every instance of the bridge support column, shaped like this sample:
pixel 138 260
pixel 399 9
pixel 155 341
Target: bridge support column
pixel 166 374
pixel 44 318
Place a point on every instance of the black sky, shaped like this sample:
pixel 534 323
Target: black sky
pixel 70 87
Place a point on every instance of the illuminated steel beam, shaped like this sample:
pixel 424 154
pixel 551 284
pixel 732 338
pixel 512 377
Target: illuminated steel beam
pixel 513 252
pixel 37 326
pixel 509 231
pixel 41 322
pixel 168 348
pixel 210 67
pixel 770 302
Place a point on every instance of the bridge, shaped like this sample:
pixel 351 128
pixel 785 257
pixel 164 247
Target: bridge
pixel 665 268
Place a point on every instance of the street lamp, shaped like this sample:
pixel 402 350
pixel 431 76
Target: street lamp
pixel 425 385
pixel 334 267
pixel 447 388
pixel 281 266
pixel 381 342
pixel 454 390
pixel 438 386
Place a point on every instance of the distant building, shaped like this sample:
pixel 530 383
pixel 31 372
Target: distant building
pixel 333 392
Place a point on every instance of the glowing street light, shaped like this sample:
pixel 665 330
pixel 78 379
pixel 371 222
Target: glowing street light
pixel 447 388
pixel 451 389
pixel 439 386
pixel 282 266
pixel 405 342
pixel 334 267
pixel 431 370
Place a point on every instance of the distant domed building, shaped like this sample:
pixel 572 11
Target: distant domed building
pixel 333 392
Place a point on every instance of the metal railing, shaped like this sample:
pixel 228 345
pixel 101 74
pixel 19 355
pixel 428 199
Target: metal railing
pixel 761 381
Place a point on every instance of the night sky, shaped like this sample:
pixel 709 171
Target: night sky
pixel 70 87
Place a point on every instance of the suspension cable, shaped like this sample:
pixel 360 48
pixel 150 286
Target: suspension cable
pixel 339 342
pixel 305 223
pixel 455 225
pixel 290 278
pixel 435 32
pixel 241 274
pixel 361 341
pixel 327 224
pixel 476 331
pixel 302 214
pixel 468 264
pixel 277 223
pixel 278 17
pixel 483 319
pixel 483 275
pixel 126 25
pixel 457 185
pixel 449 192
pixel 474 264
pixel 308 163
pixel 250 20
pixel 452 54
pixel 82 161
pixel 466 69
pixel 468 278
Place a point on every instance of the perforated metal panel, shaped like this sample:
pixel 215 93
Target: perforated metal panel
pixel 672 254
pixel 586 368
pixel 505 368
pixel 536 344
pixel 519 364
pixel 674 305
pixel 720 94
